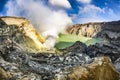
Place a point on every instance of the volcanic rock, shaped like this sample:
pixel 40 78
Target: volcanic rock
pixel 18 61
pixel 109 32
pixel 102 29
pixel 4 75
pixel 19 31
pixel 77 47
pixel 100 69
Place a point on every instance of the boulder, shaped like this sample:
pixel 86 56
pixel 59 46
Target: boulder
pixel 4 75
pixel 100 69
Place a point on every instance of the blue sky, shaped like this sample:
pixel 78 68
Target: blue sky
pixel 81 11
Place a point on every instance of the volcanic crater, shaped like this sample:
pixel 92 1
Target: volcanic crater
pixel 24 56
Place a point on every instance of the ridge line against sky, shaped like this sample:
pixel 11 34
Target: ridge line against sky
pixel 81 11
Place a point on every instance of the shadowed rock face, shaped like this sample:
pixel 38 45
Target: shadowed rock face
pixel 22 31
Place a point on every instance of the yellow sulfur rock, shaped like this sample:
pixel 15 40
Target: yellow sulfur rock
pixel 33 40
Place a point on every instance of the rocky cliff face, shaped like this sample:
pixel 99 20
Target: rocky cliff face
pixel 19 31
pixel 110 29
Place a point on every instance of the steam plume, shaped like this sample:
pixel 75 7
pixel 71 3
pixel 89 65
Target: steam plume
pixel 47 21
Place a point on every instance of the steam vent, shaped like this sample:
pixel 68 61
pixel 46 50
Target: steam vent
pixel 23 55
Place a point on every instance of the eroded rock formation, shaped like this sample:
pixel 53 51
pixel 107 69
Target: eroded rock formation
pixel 21 31
pixel 111 29
pixel 100 69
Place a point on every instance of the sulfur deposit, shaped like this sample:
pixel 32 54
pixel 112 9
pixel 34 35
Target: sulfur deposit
pixel 30 37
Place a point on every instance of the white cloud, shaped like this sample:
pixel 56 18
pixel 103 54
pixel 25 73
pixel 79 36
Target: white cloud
pixel 112 14
pixel 12 9
pixel 92 13
pixel 90 8
pixel 84 1
pixel 89 13
pixel 60 3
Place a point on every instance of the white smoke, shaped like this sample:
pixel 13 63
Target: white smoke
pixel 48 22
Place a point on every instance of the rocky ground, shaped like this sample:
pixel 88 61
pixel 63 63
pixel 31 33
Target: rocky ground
pixel 78 62
pixel 17 65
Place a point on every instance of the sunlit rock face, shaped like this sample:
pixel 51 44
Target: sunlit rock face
pixel 21 31
pixel 111 29
pixel 4 75
pixel 100 69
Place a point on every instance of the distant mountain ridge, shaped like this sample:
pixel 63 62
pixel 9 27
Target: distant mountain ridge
pixel 95 29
